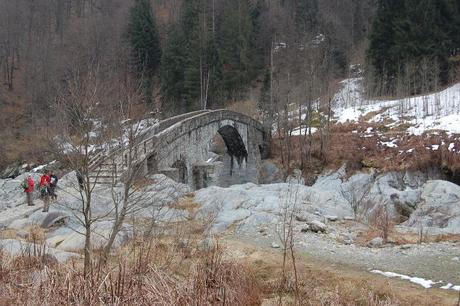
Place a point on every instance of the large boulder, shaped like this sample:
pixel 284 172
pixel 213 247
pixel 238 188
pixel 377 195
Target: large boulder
pixel 251 206
pixel 439 207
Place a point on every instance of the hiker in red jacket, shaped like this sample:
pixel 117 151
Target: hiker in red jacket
pixel 28 186
pixel 44 185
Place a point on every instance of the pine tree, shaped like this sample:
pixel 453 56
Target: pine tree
pixel 190 23
pixel 382 53
pixel 260 42
pixel 234 46
pixel 172 65
pixel 409 33
pixel 145 43
pixel 190 58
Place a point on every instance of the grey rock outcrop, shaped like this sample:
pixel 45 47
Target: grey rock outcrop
pixel 439 207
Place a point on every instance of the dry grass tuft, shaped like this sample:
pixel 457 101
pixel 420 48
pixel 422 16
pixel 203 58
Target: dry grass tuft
pixel 36 234
pixel 8 234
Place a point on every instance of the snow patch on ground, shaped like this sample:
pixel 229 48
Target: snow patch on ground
pixel 425 283
pixel 389 144
pixel 437 111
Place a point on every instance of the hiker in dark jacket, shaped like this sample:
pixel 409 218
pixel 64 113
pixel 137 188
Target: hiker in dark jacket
pixel 52 186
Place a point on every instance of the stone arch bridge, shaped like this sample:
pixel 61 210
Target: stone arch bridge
pixel 184 148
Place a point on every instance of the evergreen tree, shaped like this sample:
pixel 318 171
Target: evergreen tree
pixel 260 41
pixel 172 66
pixel 145 43
pixel 234 47
pixel 409 32
pixel 382 52
pixel 190 24
pixel 188 58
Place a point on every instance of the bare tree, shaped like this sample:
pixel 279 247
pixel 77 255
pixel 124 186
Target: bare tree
pixel 77 109
pixel 286 235
pixel 127 199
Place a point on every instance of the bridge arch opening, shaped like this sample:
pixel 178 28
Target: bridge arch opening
pixel 234 143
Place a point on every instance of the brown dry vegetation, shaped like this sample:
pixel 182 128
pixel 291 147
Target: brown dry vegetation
pixel 398 238
pixel 346 144
pixel 170 272
pixel 145 273
pixel 324 284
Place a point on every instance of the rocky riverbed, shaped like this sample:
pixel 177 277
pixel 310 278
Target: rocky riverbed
pixel 330 220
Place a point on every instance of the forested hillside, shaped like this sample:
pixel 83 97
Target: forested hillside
pixel 189 55
pixel 414 46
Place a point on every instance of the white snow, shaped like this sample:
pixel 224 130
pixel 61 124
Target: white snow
pixel 437 111
pixel 303 131
pixel 389 144
pixel 41 167
pixel 450 286
pixel 425 283
pixel 435 147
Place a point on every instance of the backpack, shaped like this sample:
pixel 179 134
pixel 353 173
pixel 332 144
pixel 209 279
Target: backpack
pixel 43 191
pixel 25 185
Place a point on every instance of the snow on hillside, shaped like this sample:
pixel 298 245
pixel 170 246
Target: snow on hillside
pixel 437 111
